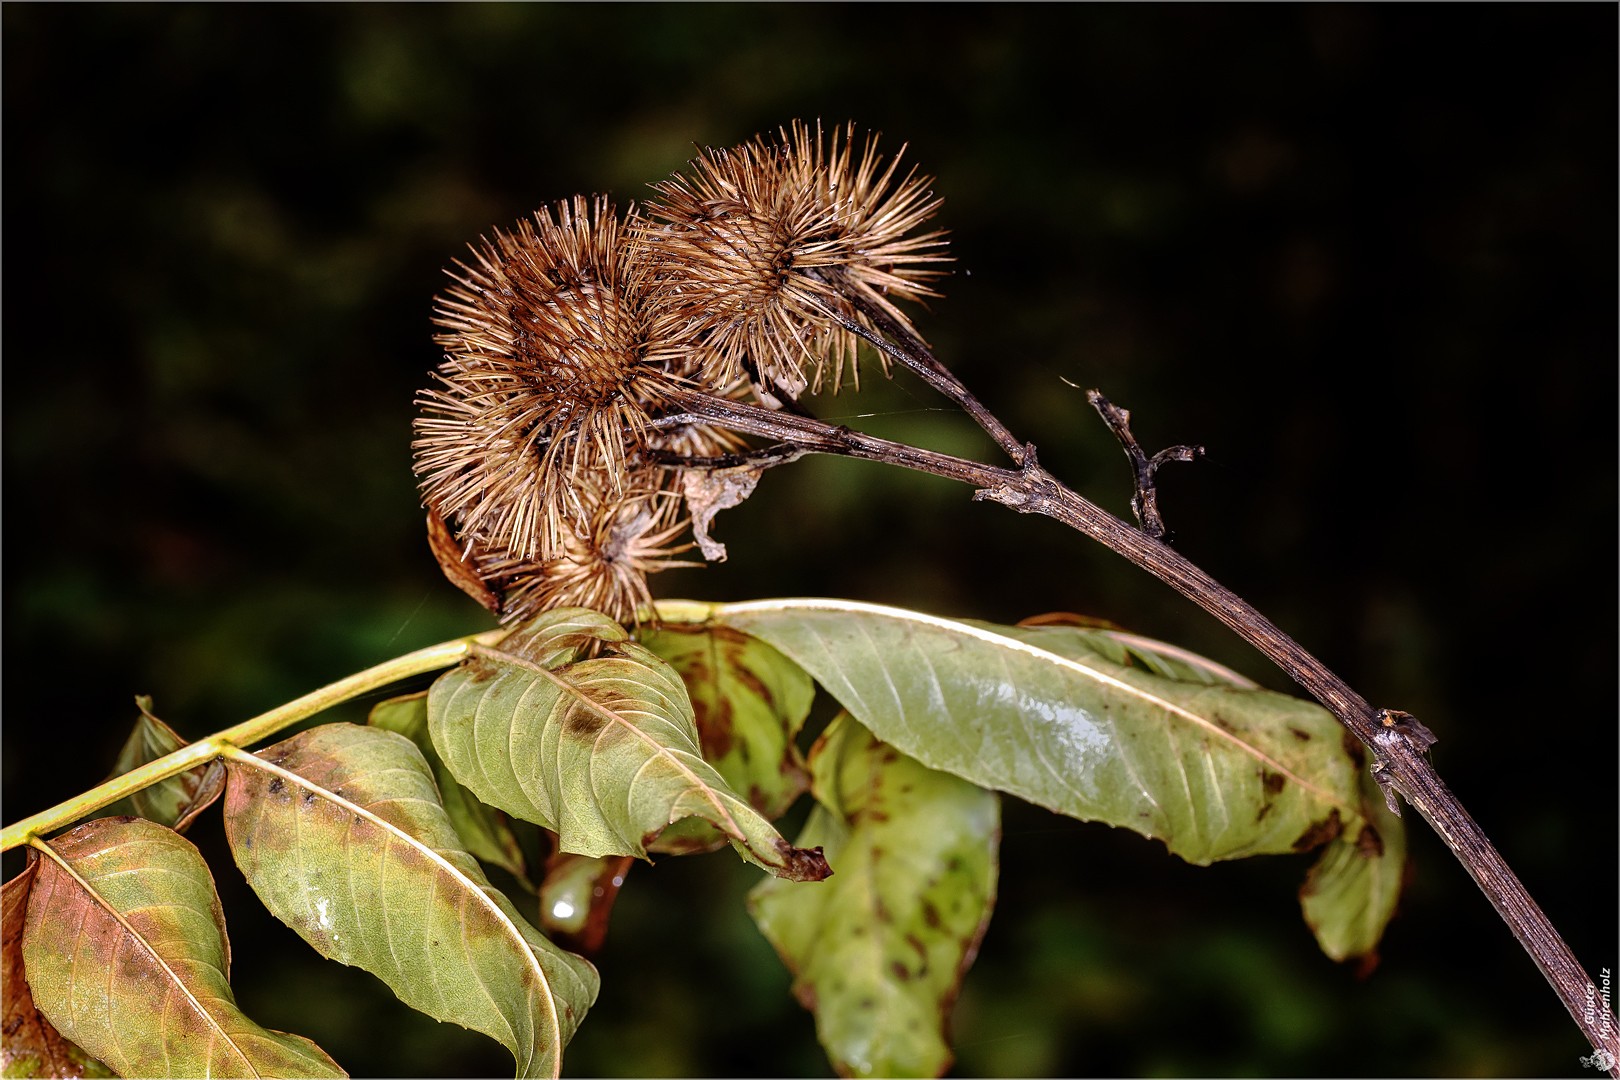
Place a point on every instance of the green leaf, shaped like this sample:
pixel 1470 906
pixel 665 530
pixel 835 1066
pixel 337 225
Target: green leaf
pixel 1350 894
pixel 127 955
pixel 1214 770
pixel 32 1046
pixel 483 829
pixel 340 832
pixel 575 727
pixel 879 951
pixel 1125 649
pixel 749 702
pixel 176 801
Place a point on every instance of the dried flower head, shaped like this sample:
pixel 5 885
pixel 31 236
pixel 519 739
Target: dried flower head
pixel 606 559
pixel 764 242
pixel 551 363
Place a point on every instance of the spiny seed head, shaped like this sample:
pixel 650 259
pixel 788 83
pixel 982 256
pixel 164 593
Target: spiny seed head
pixel 606 557
pixel 551 362
pixel 757 250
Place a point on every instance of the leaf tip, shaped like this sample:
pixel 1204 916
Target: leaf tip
pixel 802 864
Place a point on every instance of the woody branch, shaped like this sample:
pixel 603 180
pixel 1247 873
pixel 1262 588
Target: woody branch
pixel 1396 742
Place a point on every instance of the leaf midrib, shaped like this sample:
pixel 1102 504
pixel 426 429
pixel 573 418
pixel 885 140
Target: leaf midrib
pixel 254 761
pixel 951 626
pixel 106 906
pixel 659 750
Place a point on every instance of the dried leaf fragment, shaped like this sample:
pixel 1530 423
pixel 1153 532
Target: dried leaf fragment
pixel 457 565
pixel 708 493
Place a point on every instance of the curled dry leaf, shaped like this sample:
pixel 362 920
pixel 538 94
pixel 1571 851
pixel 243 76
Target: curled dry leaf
pixel 573 726
pixel 176 801
pixel 127 955
pixel 32 1046
pixel 878 952
pixel 340 831
pixel 457 565
pixel 708 493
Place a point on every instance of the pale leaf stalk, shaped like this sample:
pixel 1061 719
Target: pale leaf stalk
pixel 432 658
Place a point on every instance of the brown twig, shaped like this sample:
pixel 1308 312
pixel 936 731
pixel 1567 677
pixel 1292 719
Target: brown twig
pixel 911 352
pixel 1397 743
pixel 1145 500
pixel 779 454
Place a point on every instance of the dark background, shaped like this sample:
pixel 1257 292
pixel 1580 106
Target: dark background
pixel 1366 256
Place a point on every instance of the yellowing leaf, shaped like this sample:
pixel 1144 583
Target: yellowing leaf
pixel 340 831
pixel 878 952
pixel 32 1046
pixel 749 701
pixel 483 829
pixel 1106 726
pixel 127 955
pixel 575 727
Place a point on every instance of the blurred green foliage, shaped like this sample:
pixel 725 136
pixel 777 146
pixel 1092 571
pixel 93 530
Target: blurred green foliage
pixel 1365 255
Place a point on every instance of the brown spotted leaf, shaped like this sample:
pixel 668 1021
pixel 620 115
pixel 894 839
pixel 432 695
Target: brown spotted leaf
pixel 573 726
pixel 749 701
pixel 340 831
pixel 484 830
pixel 127 955
pixel 1350 894
pixel 878 951
pixel 176 801
pixel 32 1046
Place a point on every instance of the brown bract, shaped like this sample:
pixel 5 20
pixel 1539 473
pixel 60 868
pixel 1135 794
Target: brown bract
pixel 551 363
pixel 765 245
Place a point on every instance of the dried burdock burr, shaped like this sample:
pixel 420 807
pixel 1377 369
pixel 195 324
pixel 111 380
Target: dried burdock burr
pixel 606 558
pixel 766 250
pixel 552 361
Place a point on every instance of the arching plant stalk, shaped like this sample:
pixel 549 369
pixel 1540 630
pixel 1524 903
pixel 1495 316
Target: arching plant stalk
pixel 201 752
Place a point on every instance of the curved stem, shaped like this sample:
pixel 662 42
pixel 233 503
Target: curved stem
pixel 251 731
pixel 1398 757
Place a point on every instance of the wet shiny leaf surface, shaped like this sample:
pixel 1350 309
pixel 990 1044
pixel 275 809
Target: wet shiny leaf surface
pixel 340 832
pixel 1215 771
